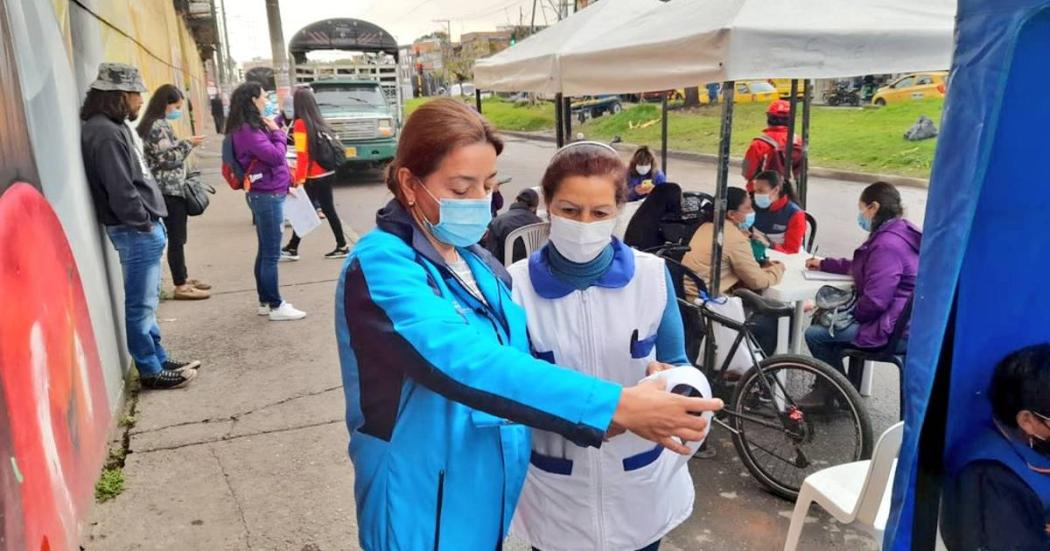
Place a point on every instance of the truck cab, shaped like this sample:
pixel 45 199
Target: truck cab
pixel 362 118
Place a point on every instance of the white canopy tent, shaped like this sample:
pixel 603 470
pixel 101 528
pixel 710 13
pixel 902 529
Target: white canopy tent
pixel 532 64
pixel 625 46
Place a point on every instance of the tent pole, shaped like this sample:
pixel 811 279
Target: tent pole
pixel 477 99
pixel 803 179
pixel 728 87
pixel 559 127
pixel 663 133
pixel 566 117
pixel 790 153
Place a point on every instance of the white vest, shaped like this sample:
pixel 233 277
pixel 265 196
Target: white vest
pixel 628 493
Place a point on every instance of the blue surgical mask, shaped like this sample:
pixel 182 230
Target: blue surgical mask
pixel 863 222
pixel 173 115
pixel 762 201
pixel 462 222
pixel 748 221
pixel 270 110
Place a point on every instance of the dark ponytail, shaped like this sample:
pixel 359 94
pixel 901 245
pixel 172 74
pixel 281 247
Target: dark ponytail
pixel 889 200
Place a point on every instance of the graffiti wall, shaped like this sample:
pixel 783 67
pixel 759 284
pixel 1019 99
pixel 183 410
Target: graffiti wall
pixel 62 352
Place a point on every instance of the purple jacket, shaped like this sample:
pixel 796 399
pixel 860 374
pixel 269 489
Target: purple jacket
pixel 884 270
pixel 267 150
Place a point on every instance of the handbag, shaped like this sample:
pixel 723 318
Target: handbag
pixel 196 192
pixel 835 308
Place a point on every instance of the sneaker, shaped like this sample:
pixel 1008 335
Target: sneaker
pixel 264 309
pixel 289 254
pixel 169 379
pixel 173 365
pixel 339 252
pixel 286 312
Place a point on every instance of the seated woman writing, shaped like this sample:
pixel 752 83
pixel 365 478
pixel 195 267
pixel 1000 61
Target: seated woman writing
pixel 997 495
pixel 739 269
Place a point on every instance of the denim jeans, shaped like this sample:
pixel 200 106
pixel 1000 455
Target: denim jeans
pixel 828 348
pixel 140 253
pixel 268 209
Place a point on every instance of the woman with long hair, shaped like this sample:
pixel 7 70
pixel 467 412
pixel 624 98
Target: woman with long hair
pixel 440 386
pixel 308 129
pixel 166 156
pixel 884 269
pixel 260 147
pixel 643 174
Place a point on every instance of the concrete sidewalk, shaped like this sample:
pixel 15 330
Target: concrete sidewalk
pixel 252 455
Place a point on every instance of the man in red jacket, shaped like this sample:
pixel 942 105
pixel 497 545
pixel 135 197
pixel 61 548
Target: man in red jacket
pixel 768 151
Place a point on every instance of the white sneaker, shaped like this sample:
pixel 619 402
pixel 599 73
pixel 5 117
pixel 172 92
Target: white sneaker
pixel 264 309
pixel 286 312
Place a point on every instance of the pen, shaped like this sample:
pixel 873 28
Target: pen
pixel 813 255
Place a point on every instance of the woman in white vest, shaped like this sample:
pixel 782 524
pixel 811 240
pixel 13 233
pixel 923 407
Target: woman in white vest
pixel 597 306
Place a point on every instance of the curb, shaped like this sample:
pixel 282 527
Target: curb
pixel 836 174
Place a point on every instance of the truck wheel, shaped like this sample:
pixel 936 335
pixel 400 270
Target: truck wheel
pixel 616 108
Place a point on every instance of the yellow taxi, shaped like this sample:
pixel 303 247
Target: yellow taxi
pixel 750 91
pixel 915 86
pixel 783 86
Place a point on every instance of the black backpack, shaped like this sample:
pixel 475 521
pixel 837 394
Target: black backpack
pixel 327 151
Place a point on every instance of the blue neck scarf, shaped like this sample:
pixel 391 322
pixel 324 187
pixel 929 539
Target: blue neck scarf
pixel 579 276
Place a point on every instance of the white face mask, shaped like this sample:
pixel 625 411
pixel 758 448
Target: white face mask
pixel 580 242
pixel 643 170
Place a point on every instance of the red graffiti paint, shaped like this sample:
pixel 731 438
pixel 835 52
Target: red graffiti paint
pixel 57 411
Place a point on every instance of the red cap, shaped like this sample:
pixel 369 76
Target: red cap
pixel 779 108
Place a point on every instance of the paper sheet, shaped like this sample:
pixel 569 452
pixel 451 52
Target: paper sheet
pixel 814 275
pixel 300 212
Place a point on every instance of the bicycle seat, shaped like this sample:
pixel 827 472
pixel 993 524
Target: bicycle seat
pixel 758 303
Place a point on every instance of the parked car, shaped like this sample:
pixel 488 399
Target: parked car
pixel 915 86
pixel 749 91
pixel 783 86
pixel 656 97
pixel 590 107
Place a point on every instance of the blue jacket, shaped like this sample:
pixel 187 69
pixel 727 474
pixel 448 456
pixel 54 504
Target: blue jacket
pixel 439 387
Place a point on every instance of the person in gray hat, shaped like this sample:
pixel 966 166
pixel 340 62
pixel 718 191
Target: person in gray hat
pixel 129 204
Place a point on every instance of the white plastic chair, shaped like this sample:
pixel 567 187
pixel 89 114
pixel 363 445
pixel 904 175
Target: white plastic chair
pixel 854 493
pixel 534 236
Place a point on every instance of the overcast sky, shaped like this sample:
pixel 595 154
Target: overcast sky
pixel 405 19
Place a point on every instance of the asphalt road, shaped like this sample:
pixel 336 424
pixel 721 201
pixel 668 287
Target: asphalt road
pixel 732 511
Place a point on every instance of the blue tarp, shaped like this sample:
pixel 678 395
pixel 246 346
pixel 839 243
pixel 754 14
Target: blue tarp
pixel 986 246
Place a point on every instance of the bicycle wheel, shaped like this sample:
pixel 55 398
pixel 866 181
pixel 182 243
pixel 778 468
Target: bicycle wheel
pixel 780 443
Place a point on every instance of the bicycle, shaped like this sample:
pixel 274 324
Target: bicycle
pixel 779 442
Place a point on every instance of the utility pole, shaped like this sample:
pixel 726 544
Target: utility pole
pixel 226 45
pixel 218 62
pixel 532 26
pixel 280 55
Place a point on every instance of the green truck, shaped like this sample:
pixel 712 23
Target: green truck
pixel 362 118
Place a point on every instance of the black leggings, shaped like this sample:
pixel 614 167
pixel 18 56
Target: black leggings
pixel 175 222
pixel 320 191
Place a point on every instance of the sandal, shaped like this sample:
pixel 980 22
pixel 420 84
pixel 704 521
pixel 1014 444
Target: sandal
pixel 198 284
pixel 190 293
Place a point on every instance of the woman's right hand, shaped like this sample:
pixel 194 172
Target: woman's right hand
pixel 813 264
pixel 649 411
pixel 270 124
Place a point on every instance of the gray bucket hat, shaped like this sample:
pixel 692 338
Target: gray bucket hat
pixel 118 76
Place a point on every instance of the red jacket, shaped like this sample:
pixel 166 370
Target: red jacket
pixel 759 149
pixel 304 166
pixel 784 223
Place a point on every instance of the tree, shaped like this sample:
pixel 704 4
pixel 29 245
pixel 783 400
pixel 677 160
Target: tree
pixel 692 97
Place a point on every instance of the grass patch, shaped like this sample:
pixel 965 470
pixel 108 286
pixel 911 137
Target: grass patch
pixel 865 140
pixel 111 482
pixel 109 485
pixel 504 114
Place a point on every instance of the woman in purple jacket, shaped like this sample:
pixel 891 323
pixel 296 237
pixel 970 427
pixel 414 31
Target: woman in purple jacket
pixel 260 148
pixel 883 270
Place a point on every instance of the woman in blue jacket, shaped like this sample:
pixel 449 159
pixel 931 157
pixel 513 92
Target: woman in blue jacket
pixel 438 378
